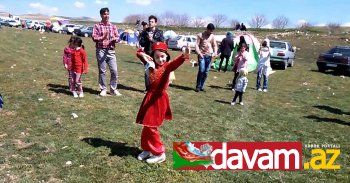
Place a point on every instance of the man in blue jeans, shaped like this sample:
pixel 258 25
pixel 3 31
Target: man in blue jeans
pixel 206 49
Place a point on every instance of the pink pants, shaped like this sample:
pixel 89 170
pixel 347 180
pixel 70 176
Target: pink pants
pixel 77 85
pixel 150 140
pixel 70 80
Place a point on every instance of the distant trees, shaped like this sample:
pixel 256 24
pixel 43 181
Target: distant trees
pixel 219 19
pixel 280 22
pixel 333 28
pixel 131 19
pixel 198 22
pixel 168 18
pixel 183 20
pixel 233 23
pixel 258 21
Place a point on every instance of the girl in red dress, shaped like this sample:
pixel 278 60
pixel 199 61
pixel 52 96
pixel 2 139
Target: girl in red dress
pixel 79 67
pixel 155 107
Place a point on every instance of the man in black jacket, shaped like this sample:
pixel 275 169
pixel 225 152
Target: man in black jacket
pixel 226 49
pixel 153 35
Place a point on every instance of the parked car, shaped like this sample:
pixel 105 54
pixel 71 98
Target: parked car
pixel 181 41
pixel 282 53
pixel 6 23
pixel 14 23
pixel 69 28
pixel 35 25
pixel 85 31
pixel 57 29
pixel 2 22
pixel 337 58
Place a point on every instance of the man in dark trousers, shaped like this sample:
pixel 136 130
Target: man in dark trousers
pixel 226 50
pixel 148 37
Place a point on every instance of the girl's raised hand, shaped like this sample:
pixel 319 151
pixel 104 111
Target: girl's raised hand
pixel 187 51
pixel 146 57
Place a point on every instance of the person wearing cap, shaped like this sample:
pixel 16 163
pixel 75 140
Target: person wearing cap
pixel 155 107
pixel 206 49
pixel 226 48
pixel 143 34
pixel 105 35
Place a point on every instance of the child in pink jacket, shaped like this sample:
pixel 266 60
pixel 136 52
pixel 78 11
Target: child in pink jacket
pixel 67 61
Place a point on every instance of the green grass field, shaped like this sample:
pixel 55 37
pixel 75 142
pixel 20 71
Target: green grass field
pixel 38 138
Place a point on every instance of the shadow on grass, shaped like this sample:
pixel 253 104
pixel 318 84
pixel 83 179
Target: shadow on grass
pixel 57 88
pixel 117 148
pixel 328 120
pixel 222 102
pixel 181 87
pixel 332 109
pixel 123 87
pixel 333 72
pixel 220 87
pixel 133 62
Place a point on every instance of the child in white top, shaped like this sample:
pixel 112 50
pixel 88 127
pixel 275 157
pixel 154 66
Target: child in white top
pixel 264 67
pixel 241 86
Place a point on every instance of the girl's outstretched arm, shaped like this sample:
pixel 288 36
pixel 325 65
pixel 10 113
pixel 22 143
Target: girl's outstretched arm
pixel 179 60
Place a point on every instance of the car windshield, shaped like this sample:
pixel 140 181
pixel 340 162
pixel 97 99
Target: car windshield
pixel 343 51
pixel 178 37
pixel 278 45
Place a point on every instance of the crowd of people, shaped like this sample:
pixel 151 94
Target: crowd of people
pixel 158 67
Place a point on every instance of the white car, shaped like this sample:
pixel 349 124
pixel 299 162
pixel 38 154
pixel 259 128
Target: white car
pixel 57 29
pixel 35 25
pixel 181 41
pixel 14 23
pixel 282 53
pixel 69 28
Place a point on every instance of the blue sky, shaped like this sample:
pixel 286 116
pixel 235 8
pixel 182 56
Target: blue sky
pixel 316 12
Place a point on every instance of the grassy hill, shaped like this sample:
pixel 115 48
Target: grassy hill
pixel 40 141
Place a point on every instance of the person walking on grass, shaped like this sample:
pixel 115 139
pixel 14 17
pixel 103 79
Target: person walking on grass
pixel 67 61
pixel 264 67
pixel 105 35
pixel 226 48
pixel 79 67
pixel 206 49
pixel 241 86
pixel 155 107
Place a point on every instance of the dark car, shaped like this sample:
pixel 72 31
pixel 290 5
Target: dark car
pixel 85 31
pixel 337 58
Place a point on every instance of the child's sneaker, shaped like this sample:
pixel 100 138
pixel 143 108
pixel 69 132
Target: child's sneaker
pixel 259 90
pixel 241 103
pixel 144 155
pixel 81 95
pixel 103 93
pixel 115 92
pixel 156 159
pixel 75 94
pixel 265 90
pixel 233 103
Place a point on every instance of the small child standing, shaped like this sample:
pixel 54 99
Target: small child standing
pixel 240 87
pixel 79 67
pixel 67 61
pixel 155 107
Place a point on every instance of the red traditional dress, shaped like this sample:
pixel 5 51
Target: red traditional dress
pixel 155 107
